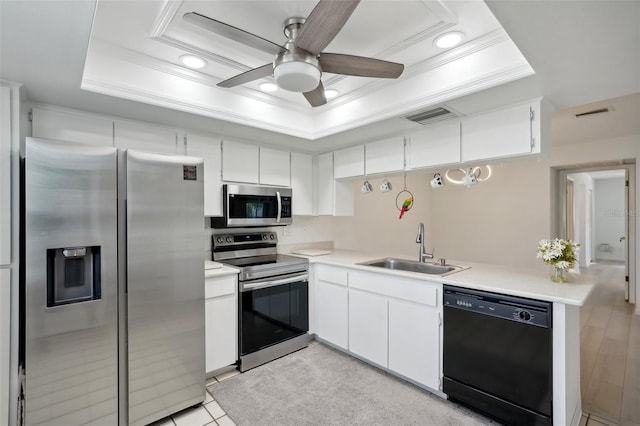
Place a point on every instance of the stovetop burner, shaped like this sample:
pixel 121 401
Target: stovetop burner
pixel 255 253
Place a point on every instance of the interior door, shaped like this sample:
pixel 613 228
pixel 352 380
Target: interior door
pixel 624 239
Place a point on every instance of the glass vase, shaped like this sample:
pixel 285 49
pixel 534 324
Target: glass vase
pixel 558 275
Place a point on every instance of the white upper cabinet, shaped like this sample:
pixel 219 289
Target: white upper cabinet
pixel 208 148
pixel 384 156
pixel 506 132
pixel 302 183
pixel 240 162
pixel 147 137
pixel 324 184
pixel 435 145
pixel 5 183
pixel 333 198
pixel 348 162
pixel 275 167
pixel 72 127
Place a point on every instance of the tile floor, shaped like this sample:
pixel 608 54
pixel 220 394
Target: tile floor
pixel 593 420
pixel 209 413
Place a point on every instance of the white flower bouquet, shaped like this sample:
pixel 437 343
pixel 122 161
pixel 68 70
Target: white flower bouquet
pixel 558 252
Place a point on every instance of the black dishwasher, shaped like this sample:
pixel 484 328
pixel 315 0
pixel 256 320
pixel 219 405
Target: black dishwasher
pixel 497 355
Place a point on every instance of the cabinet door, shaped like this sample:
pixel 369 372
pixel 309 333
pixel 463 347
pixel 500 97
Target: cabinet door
pixel 324 184
pixel 348 162
pixel 72 127
pixel 5 175
pixel 239 162
pixel 414 342
pixel 434 146
pixel 332 313
pixel 5 342
pixel 368 326
pixel 275 167
pixel 384 156
pixel 502 133
pixel 146 137
pixel 302 183
pixel 208 148
pixel 221 322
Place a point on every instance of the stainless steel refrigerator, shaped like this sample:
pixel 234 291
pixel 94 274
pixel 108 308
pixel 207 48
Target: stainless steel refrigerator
pixel 113 284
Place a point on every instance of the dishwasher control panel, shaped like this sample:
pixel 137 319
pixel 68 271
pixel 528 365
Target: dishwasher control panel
pixel 528 311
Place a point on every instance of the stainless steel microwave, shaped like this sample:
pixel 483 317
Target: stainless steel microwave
pixel 251 205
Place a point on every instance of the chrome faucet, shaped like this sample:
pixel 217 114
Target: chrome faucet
pixel 422 255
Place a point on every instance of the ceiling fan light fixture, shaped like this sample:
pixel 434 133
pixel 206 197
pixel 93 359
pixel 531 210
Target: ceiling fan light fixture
pixel 192 61
pixel 297 76
pixel 447 40
pixel 268 87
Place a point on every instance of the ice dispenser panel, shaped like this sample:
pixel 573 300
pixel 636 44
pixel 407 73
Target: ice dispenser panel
pixel 73 275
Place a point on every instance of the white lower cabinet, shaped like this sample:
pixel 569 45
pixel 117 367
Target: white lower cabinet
pixel 221 321
pixel 414 342
pixel 368 323
pixel 332 307
pixel 392 322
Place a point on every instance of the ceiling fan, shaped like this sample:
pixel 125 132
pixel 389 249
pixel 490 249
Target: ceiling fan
pixel 299 64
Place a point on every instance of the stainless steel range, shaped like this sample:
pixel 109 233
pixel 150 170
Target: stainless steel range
pixel 273 311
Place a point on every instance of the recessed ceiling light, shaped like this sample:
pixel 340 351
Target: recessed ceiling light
pixel 192 61
pixel 268 87
pixel 330 93
pixel 446 40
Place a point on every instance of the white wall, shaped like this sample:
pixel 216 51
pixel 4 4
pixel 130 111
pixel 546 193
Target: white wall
pixel 498 221
pixel 583 223
pixel 610 218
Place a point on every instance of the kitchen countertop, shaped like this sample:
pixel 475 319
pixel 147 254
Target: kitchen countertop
pixel 523 282
pixel 218 272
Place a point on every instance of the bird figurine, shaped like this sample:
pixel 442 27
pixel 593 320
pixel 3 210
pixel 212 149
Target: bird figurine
pixel 406 205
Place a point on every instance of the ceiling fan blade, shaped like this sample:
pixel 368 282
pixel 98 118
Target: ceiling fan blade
pixel 337 63
pixel 316 96
pixel 246 77
pixel 323 24
pixel 233 33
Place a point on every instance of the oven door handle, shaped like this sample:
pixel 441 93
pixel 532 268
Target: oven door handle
pixel 273 283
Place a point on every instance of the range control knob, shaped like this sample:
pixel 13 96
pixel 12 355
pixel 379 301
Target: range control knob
pixel 272 236
pixel 264 236
pixel 229 239
pixel 220 240
pixel 524 315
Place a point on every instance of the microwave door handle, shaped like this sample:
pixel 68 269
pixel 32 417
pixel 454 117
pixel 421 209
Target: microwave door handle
pixel 279 214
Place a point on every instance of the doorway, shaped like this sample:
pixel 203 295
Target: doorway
pixel 595 212
pixel 593 209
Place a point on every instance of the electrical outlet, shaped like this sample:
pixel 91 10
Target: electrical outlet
pixel 285 231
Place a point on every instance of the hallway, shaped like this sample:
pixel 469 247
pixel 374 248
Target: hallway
pixel 610 349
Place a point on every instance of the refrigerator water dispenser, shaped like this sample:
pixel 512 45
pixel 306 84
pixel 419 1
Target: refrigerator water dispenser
pixel 73 275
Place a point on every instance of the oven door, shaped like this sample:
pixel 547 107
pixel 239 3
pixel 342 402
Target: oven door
pixel 272 311
pixel 257 206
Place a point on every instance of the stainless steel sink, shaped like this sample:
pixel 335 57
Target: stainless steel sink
pixel 414 266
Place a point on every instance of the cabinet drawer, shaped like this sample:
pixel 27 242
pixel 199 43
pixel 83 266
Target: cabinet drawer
pixel 332 274
pixel 418 291
pixel 219 286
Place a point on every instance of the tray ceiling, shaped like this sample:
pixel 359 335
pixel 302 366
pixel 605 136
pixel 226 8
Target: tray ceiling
pixel 135 47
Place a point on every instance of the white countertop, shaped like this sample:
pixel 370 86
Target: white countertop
pixel 217 272
pixel 531 283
